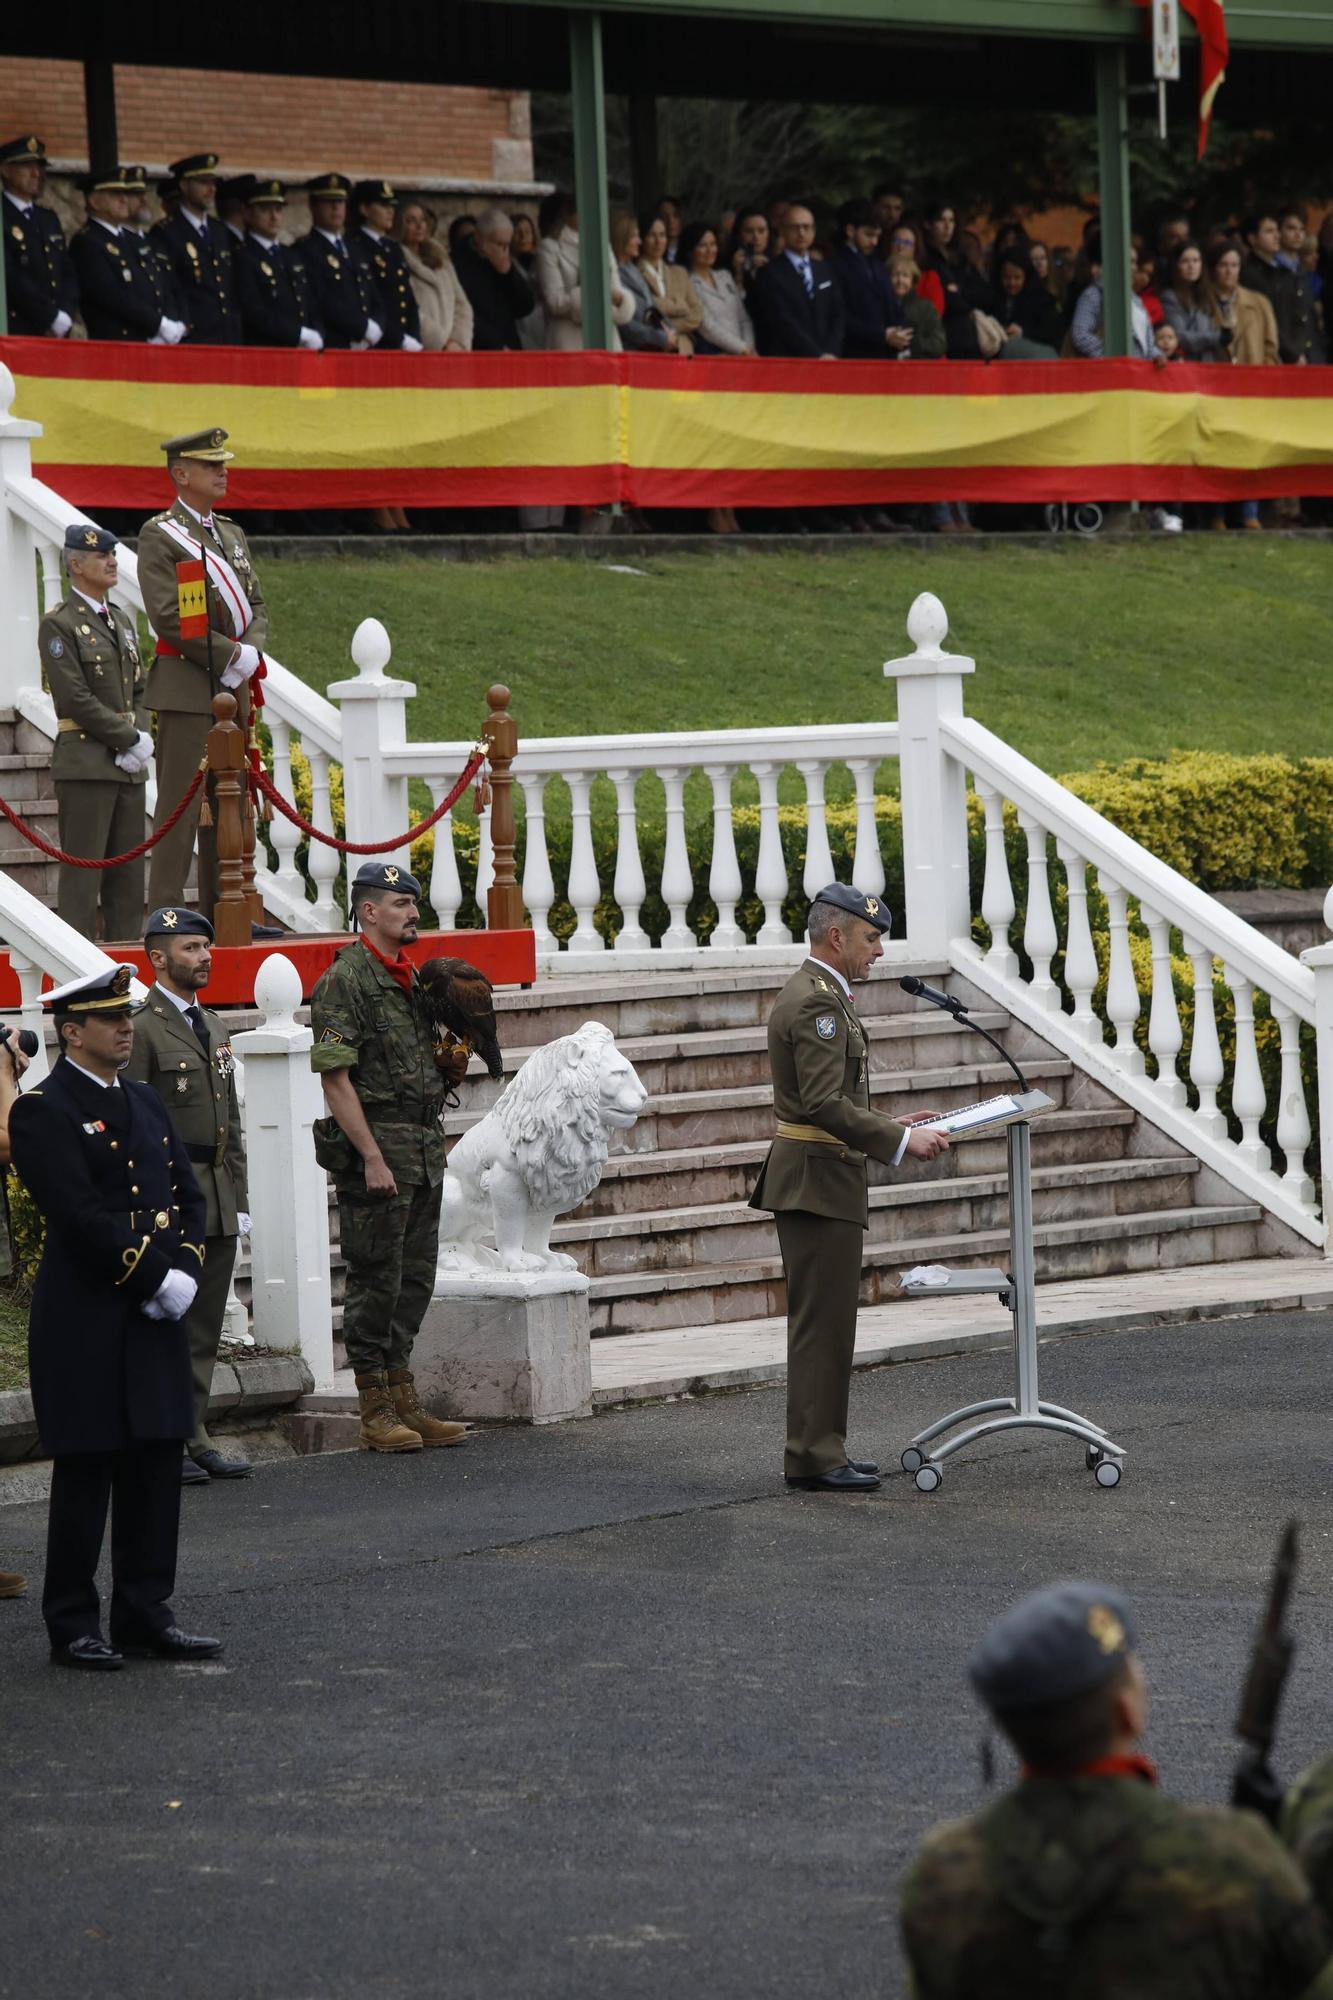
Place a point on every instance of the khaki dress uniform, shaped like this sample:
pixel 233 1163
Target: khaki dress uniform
pixel 179 691
pixel 96 678
pixel 814 1181
pixel 199 1091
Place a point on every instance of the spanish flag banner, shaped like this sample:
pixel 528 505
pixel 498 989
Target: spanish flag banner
pixel 496 430
pixel 192 599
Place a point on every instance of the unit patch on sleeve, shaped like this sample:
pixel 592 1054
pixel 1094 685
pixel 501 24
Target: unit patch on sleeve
pixel 826 1026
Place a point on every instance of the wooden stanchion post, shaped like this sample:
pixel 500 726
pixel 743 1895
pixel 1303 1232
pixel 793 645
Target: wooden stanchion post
pixel 226 769
pixel 249 835
pixel 504 900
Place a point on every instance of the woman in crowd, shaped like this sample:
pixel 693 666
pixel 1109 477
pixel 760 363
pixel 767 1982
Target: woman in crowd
pixel 747 246
pixel 1145 280
pixel 1026 311
pixel 446 314
pixel 1039 258
pixel 648 329
pixel 928 344
pixel 1249 332
pixel 523 249
pixel 907 239
pixel 556 274
pixel 725 325
pixel 672 211
pixel 1191 308
pixel 672 293
pixel 965 289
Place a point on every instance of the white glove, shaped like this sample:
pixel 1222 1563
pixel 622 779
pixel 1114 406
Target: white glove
pixel 374 333
pixel 410 344
pixel 242 664
pixel 173 1297
pixel 139 755
pixel 156 340
pixel 311 339
pixel 242 1223
pixel 171 330
pixel 60 325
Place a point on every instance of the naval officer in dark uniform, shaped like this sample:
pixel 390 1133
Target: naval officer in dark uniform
pixel 814 1178
pixel 341 292
pixel 271 281
pixel 108 1357
pixel 40 286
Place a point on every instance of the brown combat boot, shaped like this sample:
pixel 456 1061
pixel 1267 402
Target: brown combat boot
pixel 12 1584
pixel 431 1430
pixel 380 1428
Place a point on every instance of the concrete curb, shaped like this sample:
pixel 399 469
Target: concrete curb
pixel 241 1388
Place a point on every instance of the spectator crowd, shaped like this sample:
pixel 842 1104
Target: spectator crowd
pixel 877 280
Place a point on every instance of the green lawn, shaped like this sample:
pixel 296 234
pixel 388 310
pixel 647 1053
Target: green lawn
pixel 1084 651
pixel 13 1341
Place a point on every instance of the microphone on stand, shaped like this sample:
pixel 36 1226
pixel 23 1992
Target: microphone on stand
pixel 919 989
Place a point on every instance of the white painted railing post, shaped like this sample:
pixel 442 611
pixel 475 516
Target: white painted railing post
pixel 374 719
pixel 291 1305
pixel 1319 958
pixel 20 610
pixel 934 796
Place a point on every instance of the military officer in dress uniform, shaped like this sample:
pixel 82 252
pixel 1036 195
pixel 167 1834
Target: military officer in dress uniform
pixel 40 285
pixel 814 1178
pixel 374 207
pixel 184 1053
pixel 342 295
pixel 178 681
pixel 109 1362
pixel 200 249
pixel 271 280
pixel 122 298
pixel 374 1053
pixel 1084 1879
pixel 90 655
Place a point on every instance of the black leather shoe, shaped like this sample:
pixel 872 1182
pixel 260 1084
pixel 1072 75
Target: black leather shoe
pixel 192 1474
pixel 864 1465
pixel 173 1644
pixel 218 1467
pixel 92 1655
pixel 843 1479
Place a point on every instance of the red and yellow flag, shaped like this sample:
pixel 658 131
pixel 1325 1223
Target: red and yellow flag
pixel 192 598
pixel 1210 21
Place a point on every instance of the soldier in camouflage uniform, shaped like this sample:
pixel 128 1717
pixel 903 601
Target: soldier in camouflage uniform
pixel 384 1084
pixel 1084 1880
pixel 1307 1827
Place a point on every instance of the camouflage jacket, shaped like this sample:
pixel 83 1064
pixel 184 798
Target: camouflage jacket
pixel 1307 1828
pixel 364 1023
pixel 1103 1888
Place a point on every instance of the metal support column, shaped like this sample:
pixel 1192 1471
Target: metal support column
pixel 588 107
pixel 99 99
pixel 1113 188
pixel 645 167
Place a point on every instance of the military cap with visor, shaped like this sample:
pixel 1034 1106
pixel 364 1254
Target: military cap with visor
pixel 197 167
pixel 114 180
pixel 105 994
pixel 855 903
pixel 266 191
pixel 174 921
pixel 83 538
pixel 1052 1647
pixel 210 446
pixel 328 187
pixel 366 191
pixel 27 148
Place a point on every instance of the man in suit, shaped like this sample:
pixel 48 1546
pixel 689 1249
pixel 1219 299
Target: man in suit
pixel 814 1179
pixel 271 281
pixel 341 293
pixel 797 307
pixel 374 209
pixel 122 295
pixel 200 248
pixel 40 286
pixel 497 290
pixel 187 673
pixel 183 1052
pixel 877 328
pixel 90 655
pixel 109 1364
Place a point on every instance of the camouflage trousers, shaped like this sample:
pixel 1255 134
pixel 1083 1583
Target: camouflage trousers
pixel 389 1249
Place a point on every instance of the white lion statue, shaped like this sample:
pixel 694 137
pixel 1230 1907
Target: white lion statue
pixel 537 1153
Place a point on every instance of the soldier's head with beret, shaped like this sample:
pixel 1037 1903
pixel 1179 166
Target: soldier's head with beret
pixel 90 557
pixel 847 927
pixel 374 204
pixel 1060 1676
pixel 197 464
pixel 197 176
pixel 179 944
pixel 22 165
pixel 95 1012
pixel 382 902
pixel 327 195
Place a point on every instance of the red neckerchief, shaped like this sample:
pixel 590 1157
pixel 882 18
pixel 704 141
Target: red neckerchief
pixel 399 969
pixel 1133 1766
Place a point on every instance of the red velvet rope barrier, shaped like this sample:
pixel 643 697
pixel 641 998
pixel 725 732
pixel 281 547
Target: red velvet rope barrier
pixel 264 785
pixel 34 839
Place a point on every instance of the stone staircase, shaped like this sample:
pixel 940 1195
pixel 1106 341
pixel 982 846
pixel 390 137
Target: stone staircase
pixel 26 784
pixel 668 1241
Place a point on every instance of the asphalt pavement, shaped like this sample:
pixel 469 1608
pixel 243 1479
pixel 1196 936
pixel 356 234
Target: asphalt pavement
pixel 603 1712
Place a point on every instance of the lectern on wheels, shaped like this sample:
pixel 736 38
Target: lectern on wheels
pixel 1024 1410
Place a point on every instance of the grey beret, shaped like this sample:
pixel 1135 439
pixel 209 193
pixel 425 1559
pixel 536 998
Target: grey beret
pixel 386 875
pixel 1055 1645
pixel 842 897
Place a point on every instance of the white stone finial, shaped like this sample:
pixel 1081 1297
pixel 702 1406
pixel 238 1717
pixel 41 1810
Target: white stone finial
pixel 371 649
pixel 927 625
pixel 7 391
pixel 278 990
pixel 1328 910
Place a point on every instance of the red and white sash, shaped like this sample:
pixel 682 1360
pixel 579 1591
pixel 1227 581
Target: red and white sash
pixel 221 575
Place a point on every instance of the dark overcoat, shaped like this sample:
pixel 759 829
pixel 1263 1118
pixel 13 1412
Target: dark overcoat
pixel 122 1208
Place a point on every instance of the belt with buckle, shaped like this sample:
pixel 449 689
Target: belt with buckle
pixel 150 1220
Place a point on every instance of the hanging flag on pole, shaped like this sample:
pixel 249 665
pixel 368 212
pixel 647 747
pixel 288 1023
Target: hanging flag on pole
pixel 1209 18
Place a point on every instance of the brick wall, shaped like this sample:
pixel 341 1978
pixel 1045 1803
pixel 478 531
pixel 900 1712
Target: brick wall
pixel 295 126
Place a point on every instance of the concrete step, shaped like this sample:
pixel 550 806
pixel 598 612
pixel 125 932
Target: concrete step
pixel 1086 1248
